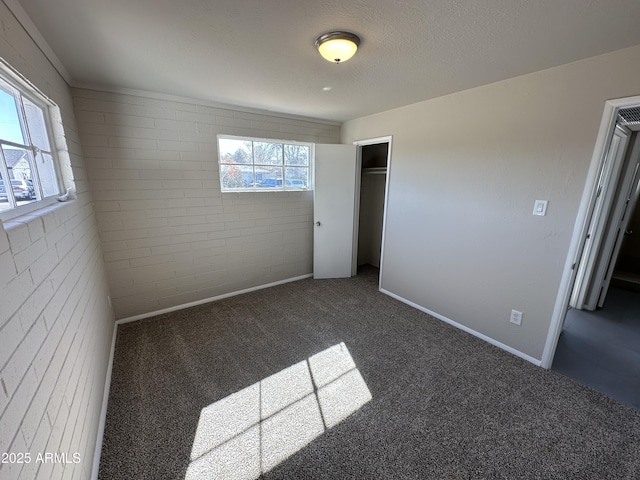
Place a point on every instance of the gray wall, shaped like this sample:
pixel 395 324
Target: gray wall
pixel 55 322
pixel 372 188
pixel 169 236
pixel 466 168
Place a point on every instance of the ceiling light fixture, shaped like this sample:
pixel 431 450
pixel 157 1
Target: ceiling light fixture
pixel 337 46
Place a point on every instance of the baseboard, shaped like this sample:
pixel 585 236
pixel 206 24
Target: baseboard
pixel 103 413
pixel 210 299
pixel 453 323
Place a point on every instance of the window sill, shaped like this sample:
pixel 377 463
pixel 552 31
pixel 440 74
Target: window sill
pixel 30 210
pixel 258 190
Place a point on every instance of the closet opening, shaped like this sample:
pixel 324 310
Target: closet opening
pixel 373 187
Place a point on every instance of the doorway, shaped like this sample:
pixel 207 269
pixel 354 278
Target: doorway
pixel 348 219
pixel 598 328
pixel 374 162
pixel 608 247
pixel 373 175
pixel 615 201
pixel 580 234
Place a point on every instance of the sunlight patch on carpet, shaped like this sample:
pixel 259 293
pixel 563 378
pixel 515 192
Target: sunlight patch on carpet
pixel 251 431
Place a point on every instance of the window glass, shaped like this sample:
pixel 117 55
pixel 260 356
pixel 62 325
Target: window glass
pixel 18 163
pixel 297 177
pixel 265 153
pixel 37 127
pixel 235 151
pixel 236 176
pixel 47 174
pixel 296 155
pixel 10 128
pixel 271 177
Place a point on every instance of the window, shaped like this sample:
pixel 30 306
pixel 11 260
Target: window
pixel 258 165
pixel 28 166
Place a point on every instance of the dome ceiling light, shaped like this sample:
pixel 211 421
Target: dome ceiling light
pixel 337 46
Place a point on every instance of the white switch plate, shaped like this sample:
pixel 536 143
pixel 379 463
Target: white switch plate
pixel 540 207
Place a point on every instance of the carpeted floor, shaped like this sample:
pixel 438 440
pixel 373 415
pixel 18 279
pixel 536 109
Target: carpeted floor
pixel 444 404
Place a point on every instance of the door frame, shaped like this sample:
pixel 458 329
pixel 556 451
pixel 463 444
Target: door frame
pixel 581 226
pixel 361 143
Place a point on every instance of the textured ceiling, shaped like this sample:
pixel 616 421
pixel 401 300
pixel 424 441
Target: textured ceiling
pixel 261 54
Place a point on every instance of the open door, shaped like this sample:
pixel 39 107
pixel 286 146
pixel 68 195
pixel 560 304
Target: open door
pixel 599 244
pixel 335 211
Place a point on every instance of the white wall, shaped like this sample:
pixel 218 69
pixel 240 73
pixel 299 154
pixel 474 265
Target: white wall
pixel 55 323
pixel 466 168
pixel 169 236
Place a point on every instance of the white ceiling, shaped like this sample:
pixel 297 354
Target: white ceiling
pixel 260 53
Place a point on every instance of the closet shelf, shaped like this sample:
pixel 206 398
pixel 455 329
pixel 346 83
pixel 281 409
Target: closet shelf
pixel 374 171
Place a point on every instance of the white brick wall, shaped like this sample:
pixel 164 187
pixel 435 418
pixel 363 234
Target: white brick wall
pixel 55 324
pixel 168 234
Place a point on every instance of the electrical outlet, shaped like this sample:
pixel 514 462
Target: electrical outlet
pixel 516 317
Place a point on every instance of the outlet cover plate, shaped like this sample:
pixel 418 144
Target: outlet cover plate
pixel 516 317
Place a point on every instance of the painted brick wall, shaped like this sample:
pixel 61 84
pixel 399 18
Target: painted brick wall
pixel 168 234
pixel 55 322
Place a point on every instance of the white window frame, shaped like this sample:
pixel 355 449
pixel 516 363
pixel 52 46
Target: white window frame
pixel 51 115
pixel 284 187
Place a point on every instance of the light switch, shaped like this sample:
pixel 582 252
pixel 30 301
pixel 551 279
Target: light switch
pixel 540 207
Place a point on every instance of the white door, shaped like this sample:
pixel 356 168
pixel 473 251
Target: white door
pixel 334 211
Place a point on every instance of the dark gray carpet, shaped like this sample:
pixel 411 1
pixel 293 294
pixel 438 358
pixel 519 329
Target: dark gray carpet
pixel 444 404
